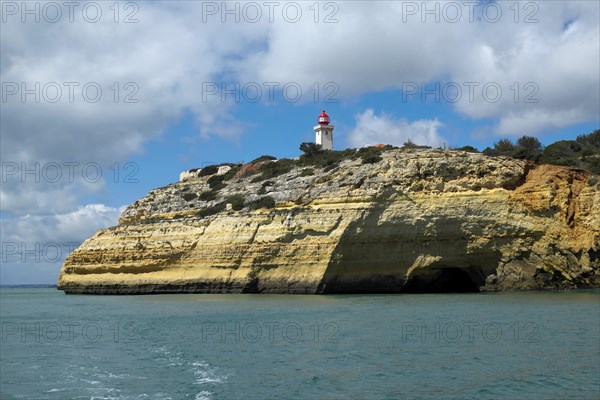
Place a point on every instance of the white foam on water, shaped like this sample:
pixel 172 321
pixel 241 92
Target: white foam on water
pixel 173 358
pixel 89 381
pixel 203 396
pixel 205 374
pixel 110 375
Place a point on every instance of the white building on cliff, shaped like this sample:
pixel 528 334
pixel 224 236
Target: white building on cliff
pixel 324 132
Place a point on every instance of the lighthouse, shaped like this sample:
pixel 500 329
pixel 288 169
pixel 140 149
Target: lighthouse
pixel 324 132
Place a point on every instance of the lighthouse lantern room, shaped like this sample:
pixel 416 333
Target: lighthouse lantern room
pixel 324 132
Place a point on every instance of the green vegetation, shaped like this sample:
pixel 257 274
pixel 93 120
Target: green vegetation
pixel 331 167
pixel 208 196
pixel 273 169
pixel 526 148
pixel 264 202
pixel 468 149
pixel 324 158
pixel 263 188
pixel 530 146
pixel 236 201
pixel 215 182
pixel 573 153
pixel 237 204
pixel 235 168
pixel 591 139
pixel 217 208
pixel 311 149
pixel 314 156
pixel 189 196
pixel 213 169
pixel 584 152
pixel 371 155
pixel 209 170
pixel 263 158
pixel 409 144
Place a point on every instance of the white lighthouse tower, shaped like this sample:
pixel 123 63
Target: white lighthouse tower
pixel 324 132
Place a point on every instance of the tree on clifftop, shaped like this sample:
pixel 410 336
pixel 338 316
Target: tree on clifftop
pixel 591 139
pixel 528 148
pixel 311 149
pixel 531 144
pixel 504 147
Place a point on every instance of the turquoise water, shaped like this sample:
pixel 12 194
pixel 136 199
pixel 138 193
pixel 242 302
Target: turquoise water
pixel 441 346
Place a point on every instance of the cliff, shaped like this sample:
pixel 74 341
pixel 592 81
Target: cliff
pixel 416 221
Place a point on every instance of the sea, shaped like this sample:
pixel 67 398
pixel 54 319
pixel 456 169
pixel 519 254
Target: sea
pixel 522 345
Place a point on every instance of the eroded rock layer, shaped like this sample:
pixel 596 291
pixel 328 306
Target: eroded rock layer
pixel 417 221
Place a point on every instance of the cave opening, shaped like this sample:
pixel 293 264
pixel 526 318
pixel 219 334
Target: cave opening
pixel 444 280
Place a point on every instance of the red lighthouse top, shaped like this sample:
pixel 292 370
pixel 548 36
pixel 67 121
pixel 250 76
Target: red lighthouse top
pixel 323 118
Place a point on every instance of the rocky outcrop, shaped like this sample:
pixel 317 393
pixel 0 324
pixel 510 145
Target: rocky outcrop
pixel 197 172
pixel 417 221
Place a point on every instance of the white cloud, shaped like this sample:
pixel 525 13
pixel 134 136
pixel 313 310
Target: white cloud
pixel 69 226
pixel 161 61
pixel 547 71
pixel 165 58
pixel 373 129
pixel 34 247
pixel 375 45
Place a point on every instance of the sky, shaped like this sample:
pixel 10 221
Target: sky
pixel 103 101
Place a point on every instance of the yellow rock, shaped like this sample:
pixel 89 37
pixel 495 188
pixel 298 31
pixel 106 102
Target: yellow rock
pixel 416 221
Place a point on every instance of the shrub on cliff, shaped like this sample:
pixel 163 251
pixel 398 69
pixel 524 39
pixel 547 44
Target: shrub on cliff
pixel 208 196
pixel 564 152
pixel 209 170
pixel 235 168
pixel 189 196
pixel 468 149
pixel 591 139
pixel 409 144
pixel 531 144
pixel 236 201
pixel 311 149
pixel 326 158
pixel 504 147
pixel 526 148
pixel 217 208
pixel 263 187
pixel 593 164
pixel 215 182
pixel 331 167
pixel 273 169
pixel 263 158
pixel 263 202
pixel 581 153
pixel 590 152
pixel 370 155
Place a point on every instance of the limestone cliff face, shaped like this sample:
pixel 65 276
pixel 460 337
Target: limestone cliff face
pixel 416 221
